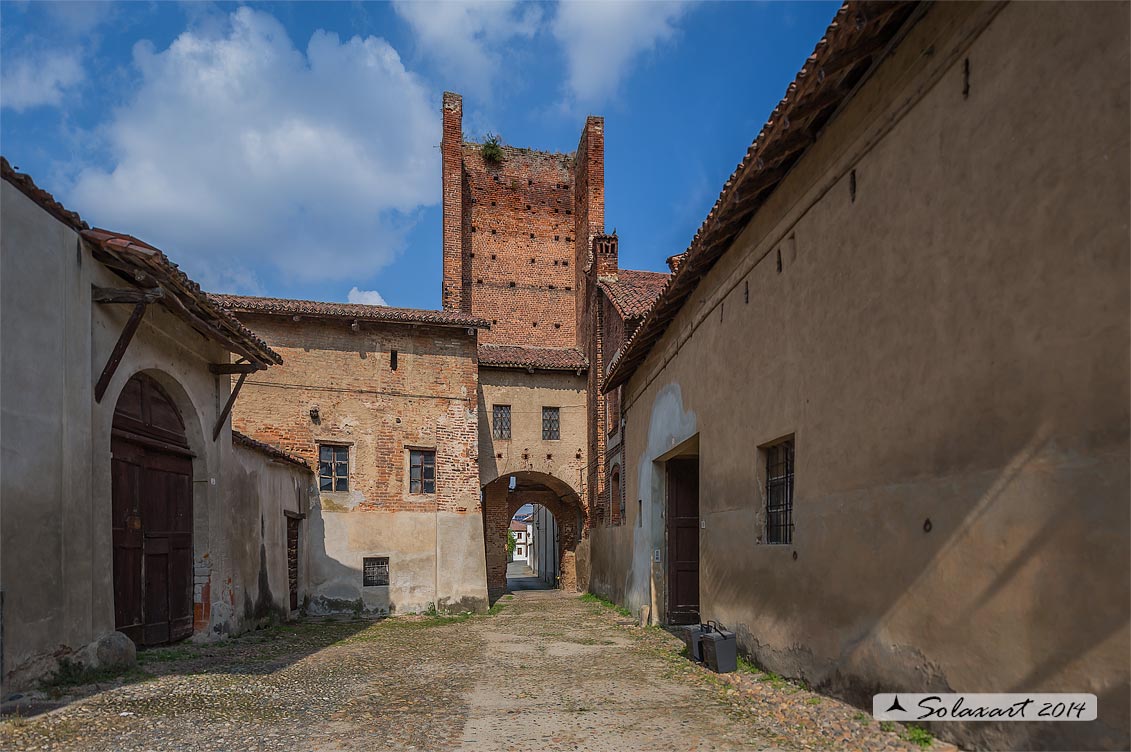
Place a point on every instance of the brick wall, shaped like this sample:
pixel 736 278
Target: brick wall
pixel 515 230
pixel 452 178
pixel 429 401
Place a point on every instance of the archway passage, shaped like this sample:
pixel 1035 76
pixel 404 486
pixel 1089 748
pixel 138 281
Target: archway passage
pixel 151 471
pixel 503 496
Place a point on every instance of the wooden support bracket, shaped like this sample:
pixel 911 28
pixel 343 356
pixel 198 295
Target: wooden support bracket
pixel 229 368
pixel 228 407
pixel 119 350
pixel 128 295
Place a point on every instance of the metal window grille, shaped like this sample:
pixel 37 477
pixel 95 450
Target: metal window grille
pixel 422 471
pixel 501 422
pixel 375 571
pixel 333 468
pixel 779 492
pixel 551 423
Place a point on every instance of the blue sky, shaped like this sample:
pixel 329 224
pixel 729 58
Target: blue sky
pixel 292 149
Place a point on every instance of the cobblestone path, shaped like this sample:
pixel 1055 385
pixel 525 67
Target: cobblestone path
pixel 547 672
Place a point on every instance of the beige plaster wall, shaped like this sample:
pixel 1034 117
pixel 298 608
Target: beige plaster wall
pixel 56 545
pixel 950 345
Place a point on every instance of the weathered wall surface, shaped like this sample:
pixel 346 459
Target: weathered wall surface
pixel 527 394
pixel 517 233
pixel 380 414
pixel 947 343
pixel 261 491
pixel 556 466
pixel 56 562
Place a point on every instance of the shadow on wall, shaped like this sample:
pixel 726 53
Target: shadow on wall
pixel 1050 586
pixel 333 587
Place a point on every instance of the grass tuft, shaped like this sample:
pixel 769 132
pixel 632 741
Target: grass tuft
pixel 593 598
pixel 920 736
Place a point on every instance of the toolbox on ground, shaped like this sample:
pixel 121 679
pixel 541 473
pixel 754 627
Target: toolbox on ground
pixel 718 648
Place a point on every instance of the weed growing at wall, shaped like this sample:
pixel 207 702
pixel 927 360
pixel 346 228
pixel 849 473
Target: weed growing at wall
pixel 492 149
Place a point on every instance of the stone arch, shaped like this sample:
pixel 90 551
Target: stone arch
pixel 501 502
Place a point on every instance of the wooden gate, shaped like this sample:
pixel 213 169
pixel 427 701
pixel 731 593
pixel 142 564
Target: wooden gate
pixel 683 541
pixel 151 470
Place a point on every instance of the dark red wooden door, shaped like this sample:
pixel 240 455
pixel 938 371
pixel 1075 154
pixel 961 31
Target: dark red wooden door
pixel 683 541
pixel 151 471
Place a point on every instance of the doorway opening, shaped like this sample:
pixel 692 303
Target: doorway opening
pixel 683 540
pixel 152 516
pixel 551 521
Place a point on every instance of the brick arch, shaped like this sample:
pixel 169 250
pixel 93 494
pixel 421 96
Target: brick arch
pixel 500 505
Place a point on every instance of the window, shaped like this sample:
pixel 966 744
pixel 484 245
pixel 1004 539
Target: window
pixel 551 423
pixel 422 471
pixel 333 468
pixel 779 492
pixel 501 421
pixel 618 498
pixel 375 571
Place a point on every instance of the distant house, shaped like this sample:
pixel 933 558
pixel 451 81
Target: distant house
pixel 522 533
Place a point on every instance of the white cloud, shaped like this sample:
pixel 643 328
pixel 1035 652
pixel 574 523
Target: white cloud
pixel 368 297
pixel 240 154
pixel 601 39
pixel 466 38
pixel 39 79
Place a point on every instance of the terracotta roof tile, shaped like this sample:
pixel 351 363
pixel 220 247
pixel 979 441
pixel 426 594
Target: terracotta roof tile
pixel 633 292
pixel 273 452
pixel 859 35
pixel 146 265
pixel 28 187
pixel 359 311
pixel 539 358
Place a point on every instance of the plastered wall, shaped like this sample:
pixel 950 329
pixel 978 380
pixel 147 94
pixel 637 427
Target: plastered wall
pixel 948 345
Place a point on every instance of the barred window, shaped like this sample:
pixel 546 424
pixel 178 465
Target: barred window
pixel 422 471
pixel 779 492
pixel 333 468
pixel 375 571
pixel 551 423
pixel 501 422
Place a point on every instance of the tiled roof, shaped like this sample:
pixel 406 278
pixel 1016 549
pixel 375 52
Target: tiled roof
pixel 272 452
pixel 540 358
pixel 358 311
pixel 859 35
pixel 147 266
pixel 633 292
pixel 28 187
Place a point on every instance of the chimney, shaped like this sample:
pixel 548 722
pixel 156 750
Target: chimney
pixel 605 255
pixel 451 150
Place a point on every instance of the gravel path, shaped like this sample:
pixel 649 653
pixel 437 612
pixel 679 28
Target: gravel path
pixel 548 671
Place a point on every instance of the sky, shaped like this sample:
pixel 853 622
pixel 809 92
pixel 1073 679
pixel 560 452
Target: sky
pixel 292 149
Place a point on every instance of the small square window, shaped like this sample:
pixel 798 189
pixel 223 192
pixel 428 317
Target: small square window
pixel 333 468
pixel 375 571
pixel 501 422
pixel 422 471
pixel 551 423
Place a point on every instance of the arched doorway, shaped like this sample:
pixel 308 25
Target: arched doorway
pixel 151 476
pixel 504 496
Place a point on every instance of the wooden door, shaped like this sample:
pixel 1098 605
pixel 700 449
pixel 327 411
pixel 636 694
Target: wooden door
pixel 151 472
pixel 292 560
pixel 683 540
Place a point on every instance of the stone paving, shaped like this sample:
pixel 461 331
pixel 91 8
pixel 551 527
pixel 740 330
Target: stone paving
pixel 547 671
